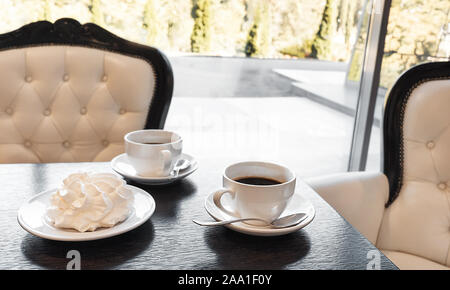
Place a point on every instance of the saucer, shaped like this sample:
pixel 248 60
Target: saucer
pixel 121 165
pixel 32 218
pixel 297 204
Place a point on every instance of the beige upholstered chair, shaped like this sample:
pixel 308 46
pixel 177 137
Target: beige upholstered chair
pixel 405 212
pixel 70 92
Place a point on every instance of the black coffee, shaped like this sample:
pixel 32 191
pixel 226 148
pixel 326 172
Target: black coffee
pixel 257 181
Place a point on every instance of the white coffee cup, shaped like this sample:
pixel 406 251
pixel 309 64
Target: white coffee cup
pixel 256 201
pixel 153 153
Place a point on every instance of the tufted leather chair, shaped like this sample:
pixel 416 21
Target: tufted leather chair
pixel 405 211
pixel 70 92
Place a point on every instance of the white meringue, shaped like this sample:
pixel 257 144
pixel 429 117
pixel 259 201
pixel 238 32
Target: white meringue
pixel 86 202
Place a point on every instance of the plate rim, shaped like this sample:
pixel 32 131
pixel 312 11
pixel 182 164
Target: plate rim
pixel 255 231
pixel 80 239
pixel 155 180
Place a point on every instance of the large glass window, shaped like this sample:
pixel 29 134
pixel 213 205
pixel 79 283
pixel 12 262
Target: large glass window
pixel 272 80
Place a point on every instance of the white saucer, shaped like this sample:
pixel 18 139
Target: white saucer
pixel 32 217
pixel 121 165
pixel 296 205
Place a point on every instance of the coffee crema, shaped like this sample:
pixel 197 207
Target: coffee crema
pixel 256 180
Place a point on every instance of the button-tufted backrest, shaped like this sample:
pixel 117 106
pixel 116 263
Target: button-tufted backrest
pixel 63 103
pixel 418 219
pixel 75 98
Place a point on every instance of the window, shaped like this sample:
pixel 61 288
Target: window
pixel 269 80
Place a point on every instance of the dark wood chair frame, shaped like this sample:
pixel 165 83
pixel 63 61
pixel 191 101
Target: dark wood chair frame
pixel 394 115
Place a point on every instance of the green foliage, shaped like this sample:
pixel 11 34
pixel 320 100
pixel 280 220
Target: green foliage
pixel 415 30
pixel 413 36
pixel 351 19
pixel 46 10
pixel 200 37
pixel 258 39
pixel 169 24
pixel 347 18
pixel 354 73
pixel 151 22
pixel 321 47
pixel 298 50
pixel 97 16
pixel 251 47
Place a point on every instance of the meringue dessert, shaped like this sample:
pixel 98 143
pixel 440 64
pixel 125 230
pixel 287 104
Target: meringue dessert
pixel 86 202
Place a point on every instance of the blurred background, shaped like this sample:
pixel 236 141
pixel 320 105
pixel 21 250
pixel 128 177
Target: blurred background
pixel 272 79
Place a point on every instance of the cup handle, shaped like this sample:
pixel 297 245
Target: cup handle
pixel 167 161
pixel 218 195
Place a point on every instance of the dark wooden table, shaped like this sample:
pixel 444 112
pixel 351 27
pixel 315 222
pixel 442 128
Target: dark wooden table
pixel 170 240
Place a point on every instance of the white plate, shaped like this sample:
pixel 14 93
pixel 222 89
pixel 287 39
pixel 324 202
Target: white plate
pixel 296 205
pixel 32 217
pixel 121 165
